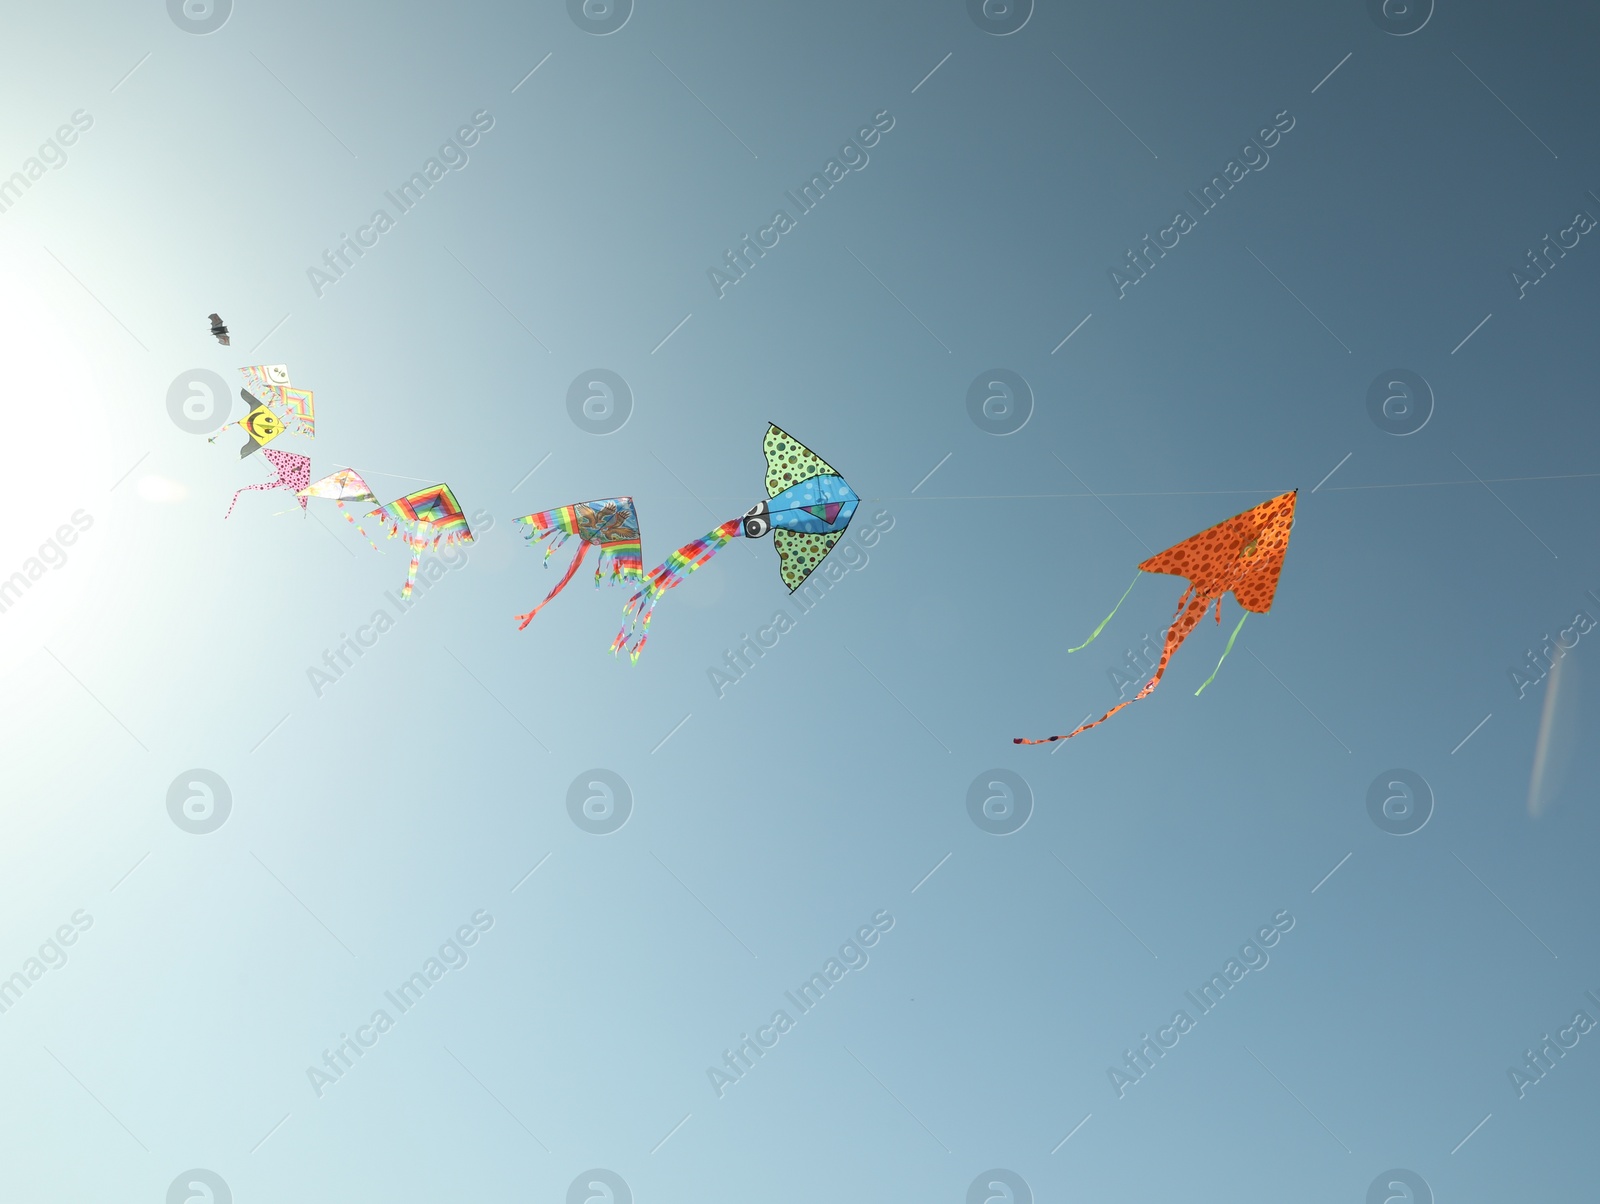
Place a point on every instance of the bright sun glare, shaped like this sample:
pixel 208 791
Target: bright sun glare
pixel 50 464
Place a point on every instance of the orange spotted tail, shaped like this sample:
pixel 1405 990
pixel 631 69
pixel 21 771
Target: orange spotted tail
pixel 1176 634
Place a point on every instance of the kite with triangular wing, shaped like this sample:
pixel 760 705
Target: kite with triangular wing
pixel 293 471
pixel 610 524
pixel 340 487
pixel 808 507
pixel 1242 556
pixel 424 519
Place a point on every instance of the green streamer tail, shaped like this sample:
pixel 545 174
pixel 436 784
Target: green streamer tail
pixel 1107 619
pixel 1225 652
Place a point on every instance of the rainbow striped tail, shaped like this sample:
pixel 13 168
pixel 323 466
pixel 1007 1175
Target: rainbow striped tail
pixel 665 576
pixel 411 573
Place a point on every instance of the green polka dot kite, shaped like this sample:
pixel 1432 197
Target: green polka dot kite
pixel 808 507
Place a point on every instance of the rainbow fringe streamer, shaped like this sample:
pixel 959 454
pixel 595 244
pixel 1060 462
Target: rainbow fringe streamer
pixel 621 561
pixel 663 577
pixel 452 530
pixel 411 573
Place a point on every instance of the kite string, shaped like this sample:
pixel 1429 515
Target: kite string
pixel 399 476
pixel 1019 497
pixel 1114 610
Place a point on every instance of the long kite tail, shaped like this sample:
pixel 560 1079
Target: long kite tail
pixel 1176 634
pixel 246 489
pixel 572 568
pixel 1075 731
pixel 1095 633
pixel 349 519
pixel 665 576
pixel 411 573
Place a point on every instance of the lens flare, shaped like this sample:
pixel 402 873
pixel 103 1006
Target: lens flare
pixel 1558 736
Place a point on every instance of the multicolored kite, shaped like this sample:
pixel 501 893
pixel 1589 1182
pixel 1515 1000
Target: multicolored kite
pixel 424 519
pixel 1243 555
pixel 293 472
pixel 269 384
pixel 275 408
pixel 343 486
pixel 808 507
pixel 610 524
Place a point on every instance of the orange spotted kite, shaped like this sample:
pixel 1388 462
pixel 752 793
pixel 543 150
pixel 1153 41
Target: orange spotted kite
pixel 1242 555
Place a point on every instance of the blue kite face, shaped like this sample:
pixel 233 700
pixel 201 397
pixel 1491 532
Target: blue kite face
pixel 817 506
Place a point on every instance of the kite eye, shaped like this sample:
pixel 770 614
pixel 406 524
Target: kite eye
pixel 756 522
pixel 1249 549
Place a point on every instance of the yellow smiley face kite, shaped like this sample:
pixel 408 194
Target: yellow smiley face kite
pixel 263 426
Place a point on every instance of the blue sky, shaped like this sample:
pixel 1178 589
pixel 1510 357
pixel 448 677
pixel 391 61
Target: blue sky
pixel 1386 187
